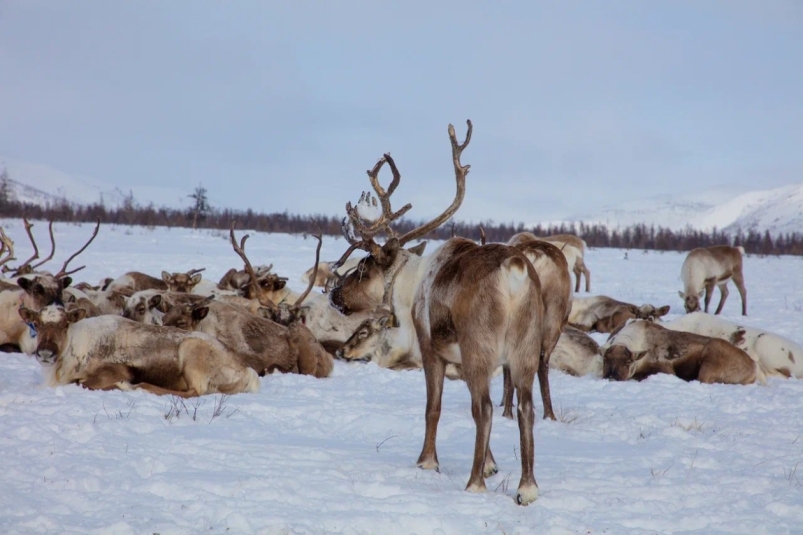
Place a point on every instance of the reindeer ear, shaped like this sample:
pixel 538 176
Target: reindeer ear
pixel 302 313
pixel 196 278
pixel 663 311
pixel 418 250
pixel 76 314
pixel 681 294
pixel 64 282
pixel 278 285
pixel 199 313
pixel 25 284
pixel 165 276
pixel 105 283
pixel 265 312
pixel 154 301
pixel 28 315
pixel 388 252
pixel 70 298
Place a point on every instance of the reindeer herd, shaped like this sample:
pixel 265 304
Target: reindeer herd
pixel 460 312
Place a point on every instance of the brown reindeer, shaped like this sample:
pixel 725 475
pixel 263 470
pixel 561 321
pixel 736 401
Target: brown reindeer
pixel 707 267
pixel 579 268
pixel 182 282
pixel 111 352
pixel 478 306
pixel 35 291
pixel 264 344
pixel 556 293
pixel 643 348
pixel 604 314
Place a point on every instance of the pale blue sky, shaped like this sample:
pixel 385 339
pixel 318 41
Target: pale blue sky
pixel 283 105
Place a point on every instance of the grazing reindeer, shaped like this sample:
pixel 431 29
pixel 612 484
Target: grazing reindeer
pixel 777 356
pixel 643 348
pixel 579 267
pixel 35 291
pixel 604 314
pixel 707 267
pixel 478 306
pixel 111 352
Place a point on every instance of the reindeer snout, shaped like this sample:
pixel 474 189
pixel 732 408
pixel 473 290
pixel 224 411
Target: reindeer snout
pixel 45 356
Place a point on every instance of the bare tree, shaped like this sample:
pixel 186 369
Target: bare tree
pixel 200 208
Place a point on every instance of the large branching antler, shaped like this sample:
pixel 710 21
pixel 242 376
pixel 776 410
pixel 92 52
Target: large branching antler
pixel 314 276
pixel 63 271
pixel 460 172
pixel 52 246
pixel 356 223
pixel 25 267
pixel 7 244
pixel 240 250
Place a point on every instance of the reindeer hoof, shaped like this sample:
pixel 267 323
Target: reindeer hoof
pixel 491 470
pixel 476 487
pixel 508 414
pixel 429 465
pixel 527 495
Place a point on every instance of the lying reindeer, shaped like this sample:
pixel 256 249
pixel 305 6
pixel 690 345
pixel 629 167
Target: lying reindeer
pixel 265 345
pixel 111 352
pixel 777 356
pixel 643 348
pixel 576 353
pixel 604 314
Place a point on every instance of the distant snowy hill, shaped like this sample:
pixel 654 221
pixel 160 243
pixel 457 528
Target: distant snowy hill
pixel 42 184
pixel 778 210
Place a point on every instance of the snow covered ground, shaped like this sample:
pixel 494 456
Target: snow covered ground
pixel 338 455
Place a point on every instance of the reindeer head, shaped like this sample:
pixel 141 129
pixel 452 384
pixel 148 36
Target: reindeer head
pixel 692 301
pixel 650 313
pixel 367 340
pixel 358 290
pixel 187 316
pixel 43 290
pixel 50 323
pixel 140 306
pixel 619 363
pixel 182 282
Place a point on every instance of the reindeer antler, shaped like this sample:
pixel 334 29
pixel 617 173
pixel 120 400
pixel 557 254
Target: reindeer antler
pixel 355 222
pixel 52 246
pixel 62 272
pixel 460 172
pixel 482 236
pixel 314 271
pixel 195 271
pixel 7 244
pixel 25 268
pixel 240 250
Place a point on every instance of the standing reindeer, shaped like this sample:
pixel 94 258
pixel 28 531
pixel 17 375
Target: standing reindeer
pixel 707 267
pixel 477 306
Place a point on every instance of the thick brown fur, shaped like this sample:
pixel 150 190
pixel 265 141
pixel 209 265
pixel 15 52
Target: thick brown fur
pixel 643 348
pixel 111 352
pixel 265 345
pixel 480 306
pixel 556 294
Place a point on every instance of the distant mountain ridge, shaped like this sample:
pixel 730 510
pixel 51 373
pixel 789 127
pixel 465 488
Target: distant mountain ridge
pixel 45 185
pixel 778 210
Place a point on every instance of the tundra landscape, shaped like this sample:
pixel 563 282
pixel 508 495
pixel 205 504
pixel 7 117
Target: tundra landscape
pixel 338 454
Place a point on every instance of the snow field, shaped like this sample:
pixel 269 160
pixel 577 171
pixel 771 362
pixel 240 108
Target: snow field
pixel 338 455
